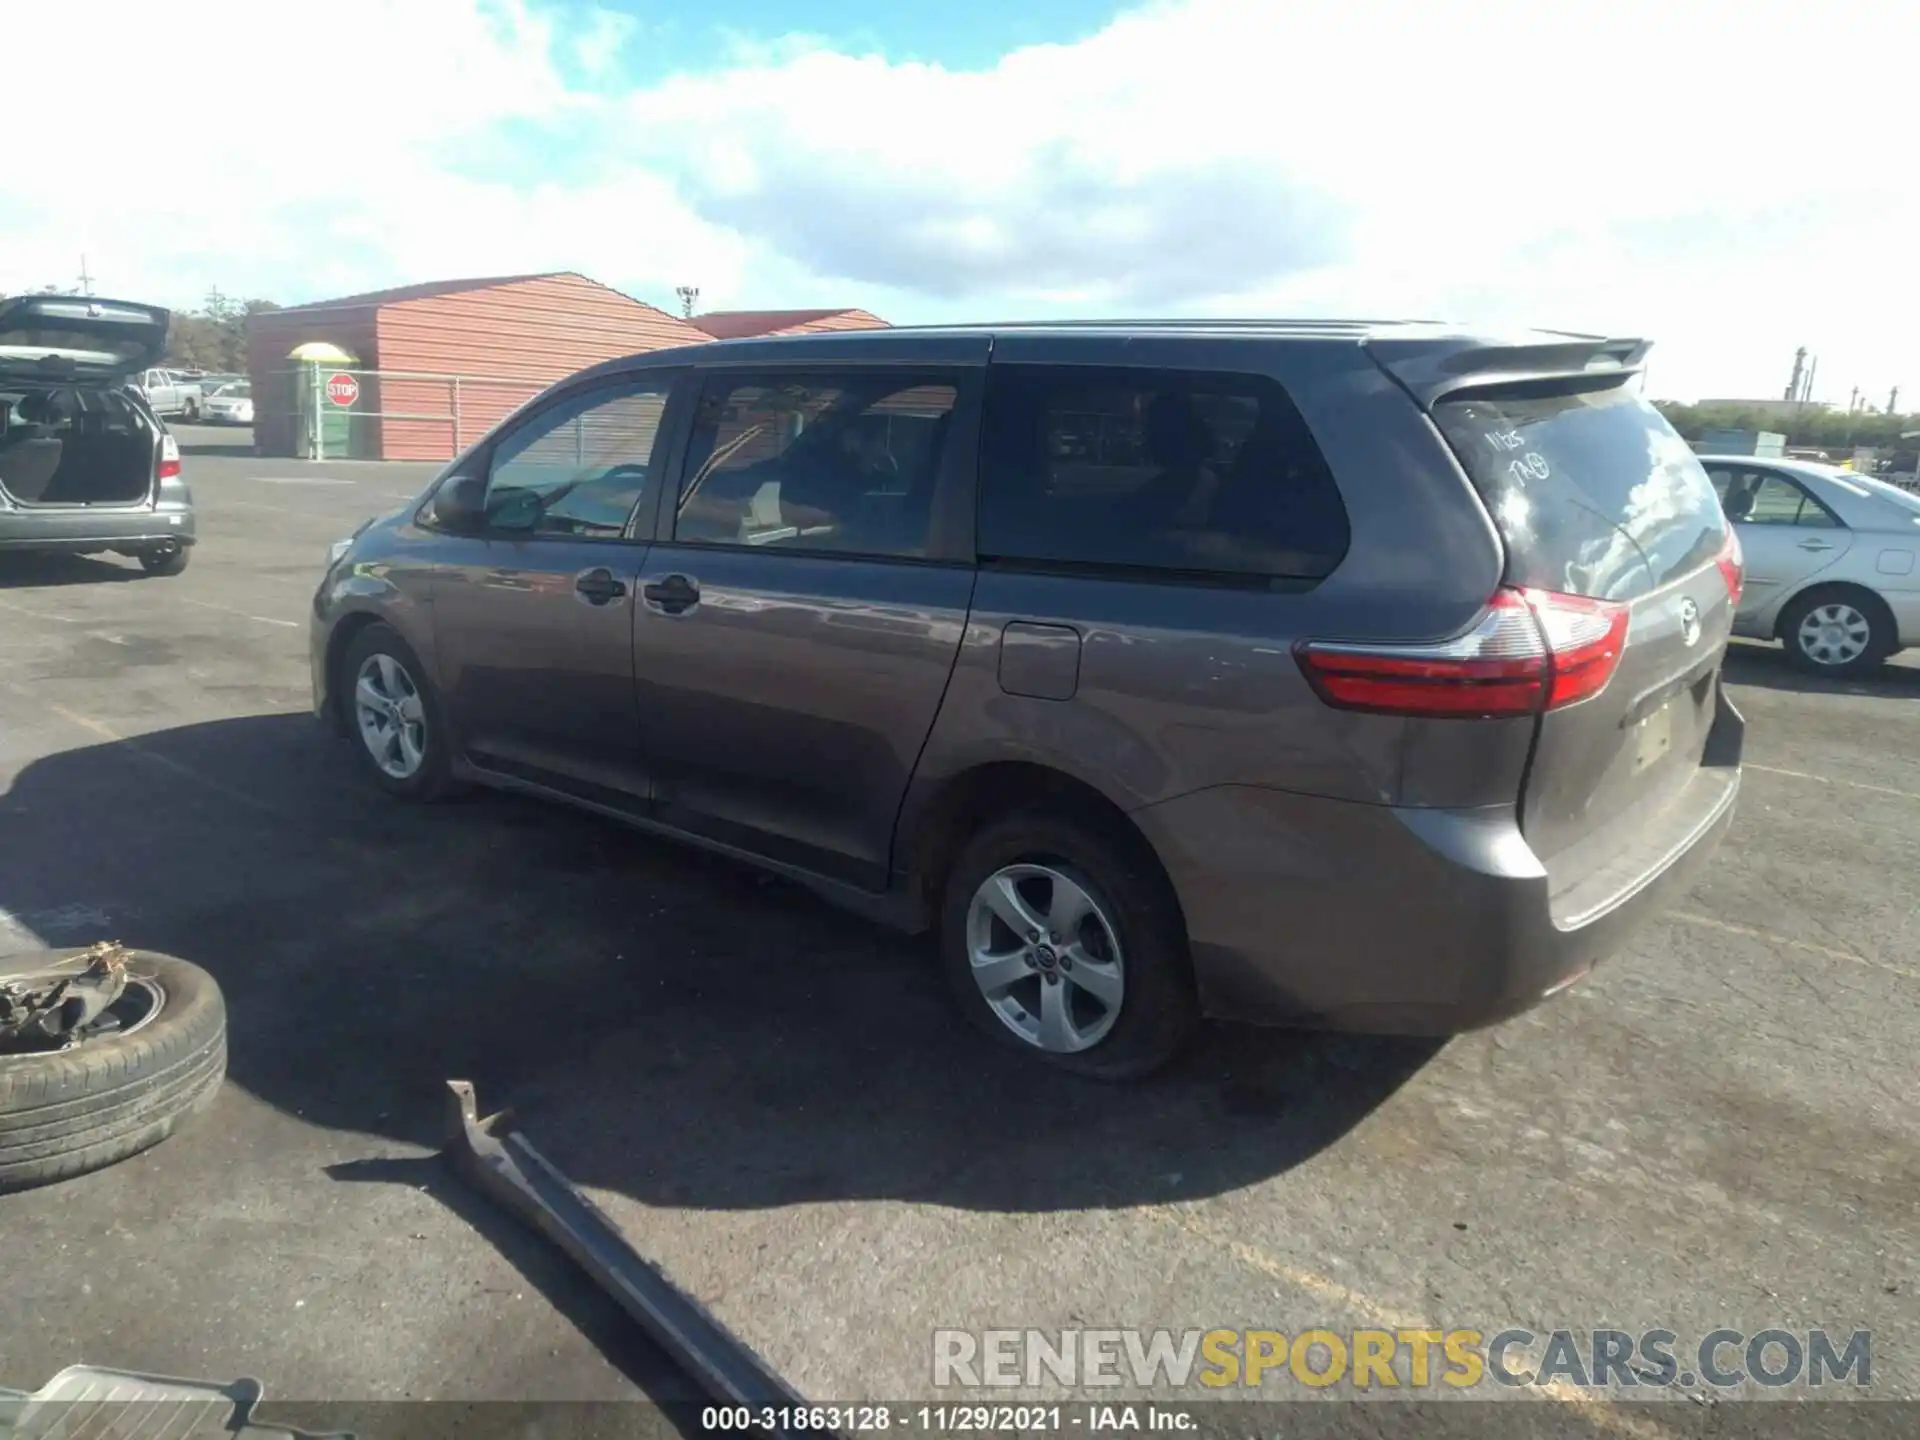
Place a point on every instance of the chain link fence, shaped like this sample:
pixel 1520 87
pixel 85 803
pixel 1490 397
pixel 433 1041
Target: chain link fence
pixel 311 412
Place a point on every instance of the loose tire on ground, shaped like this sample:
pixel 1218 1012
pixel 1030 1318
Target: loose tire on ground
pixel 63 1113
pixel 1159 1013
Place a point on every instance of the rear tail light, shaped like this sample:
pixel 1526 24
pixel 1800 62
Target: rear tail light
pixel 169 467
pixel 1533 650
pixel 1732 565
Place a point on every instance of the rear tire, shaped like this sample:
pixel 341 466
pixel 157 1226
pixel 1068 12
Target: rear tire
pixel 1157 1011
pixel 164 560
pixel 1838 630
pixel 380 653
pixel 63 1113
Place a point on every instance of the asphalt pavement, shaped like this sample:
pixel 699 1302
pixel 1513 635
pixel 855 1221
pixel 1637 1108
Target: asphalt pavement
pixel 777 1103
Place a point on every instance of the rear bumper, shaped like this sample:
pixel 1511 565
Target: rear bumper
pixel 1303 910
pixel 81 530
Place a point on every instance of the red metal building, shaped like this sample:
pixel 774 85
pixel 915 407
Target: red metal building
pixel 739 324
pixel 437 364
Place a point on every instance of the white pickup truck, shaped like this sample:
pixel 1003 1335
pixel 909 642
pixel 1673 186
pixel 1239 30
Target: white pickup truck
pixel 170 393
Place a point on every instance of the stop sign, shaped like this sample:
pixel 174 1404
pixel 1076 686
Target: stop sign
pixel 342 389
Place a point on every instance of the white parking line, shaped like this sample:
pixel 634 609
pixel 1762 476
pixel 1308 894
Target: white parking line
pixel 39 614
pixel 301 480
pixel 223 502
pixel 229 610
pixel 1834 780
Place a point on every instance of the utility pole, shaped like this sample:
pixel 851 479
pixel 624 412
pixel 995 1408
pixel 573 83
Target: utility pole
pixel 688 294
pixel 1893 401
pixel 1792 392
pixel 86 280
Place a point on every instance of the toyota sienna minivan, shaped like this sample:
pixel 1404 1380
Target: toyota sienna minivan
pixel 1314 673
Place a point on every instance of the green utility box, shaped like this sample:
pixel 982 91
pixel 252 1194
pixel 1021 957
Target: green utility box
pixel 332 404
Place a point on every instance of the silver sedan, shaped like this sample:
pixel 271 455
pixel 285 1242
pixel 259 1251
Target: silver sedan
pixel 1832 560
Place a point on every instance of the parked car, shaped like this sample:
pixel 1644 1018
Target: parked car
pixel 231 404
pixel 85 465
pixel 1352 675
pixel 1830 559
pixel 171 394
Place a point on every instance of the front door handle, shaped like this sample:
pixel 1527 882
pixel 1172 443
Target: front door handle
pixel 598 586
pixel 671 594
pixel 1816 545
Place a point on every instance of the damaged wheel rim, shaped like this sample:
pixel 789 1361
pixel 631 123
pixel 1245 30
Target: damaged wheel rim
pixel 86 996
pixel 391 719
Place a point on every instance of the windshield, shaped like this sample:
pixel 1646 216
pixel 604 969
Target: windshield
pixel 240 391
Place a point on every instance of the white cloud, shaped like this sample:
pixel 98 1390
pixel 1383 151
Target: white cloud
pixel 1681 170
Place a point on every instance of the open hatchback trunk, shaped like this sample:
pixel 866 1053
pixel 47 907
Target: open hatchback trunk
pixel 70 432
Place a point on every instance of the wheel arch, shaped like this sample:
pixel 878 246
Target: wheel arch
pixel 937 827
pixel 345 630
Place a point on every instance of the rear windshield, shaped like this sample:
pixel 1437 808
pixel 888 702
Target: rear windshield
pixel 1592 490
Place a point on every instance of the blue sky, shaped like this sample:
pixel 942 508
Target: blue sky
pixel 670 38
pixel 1502 162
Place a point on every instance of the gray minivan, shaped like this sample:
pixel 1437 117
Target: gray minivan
pixel 1343 674
pixel 85 465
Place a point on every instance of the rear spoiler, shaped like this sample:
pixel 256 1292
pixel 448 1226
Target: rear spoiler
pixel 1431 369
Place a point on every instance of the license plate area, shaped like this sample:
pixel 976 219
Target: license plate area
pixel 1653 736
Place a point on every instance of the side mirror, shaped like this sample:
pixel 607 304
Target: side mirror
pixel 460 505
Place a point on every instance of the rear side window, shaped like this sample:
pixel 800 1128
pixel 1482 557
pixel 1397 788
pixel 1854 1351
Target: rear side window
pixel 1761 497
pixel 1190 473
pixel 1593 492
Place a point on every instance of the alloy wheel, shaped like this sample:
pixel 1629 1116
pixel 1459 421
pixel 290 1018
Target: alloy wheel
pixel 391 718
pixel 1046 957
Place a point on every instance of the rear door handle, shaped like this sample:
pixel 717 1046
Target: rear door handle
pixel 671 594
pixel 598 586
pixel 1816 545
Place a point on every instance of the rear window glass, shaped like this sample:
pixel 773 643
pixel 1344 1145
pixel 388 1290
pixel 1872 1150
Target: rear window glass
pixel 1188 473
pixel 1593 491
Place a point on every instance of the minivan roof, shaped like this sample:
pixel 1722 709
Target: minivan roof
pixel 1429 358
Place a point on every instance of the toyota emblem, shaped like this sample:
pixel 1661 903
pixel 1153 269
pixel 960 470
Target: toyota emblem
pixel 1689 621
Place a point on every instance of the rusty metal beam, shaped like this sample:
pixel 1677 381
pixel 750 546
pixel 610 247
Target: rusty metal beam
pixel 505 1165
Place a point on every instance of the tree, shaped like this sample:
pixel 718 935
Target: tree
pixel 214 337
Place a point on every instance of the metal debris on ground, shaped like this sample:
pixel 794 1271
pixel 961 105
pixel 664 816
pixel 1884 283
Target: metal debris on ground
pixel 103 1404
pixel 506 1166
pixel 49 1010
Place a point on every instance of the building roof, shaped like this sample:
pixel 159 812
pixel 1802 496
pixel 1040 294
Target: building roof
pixel 423 291
pixel 739 324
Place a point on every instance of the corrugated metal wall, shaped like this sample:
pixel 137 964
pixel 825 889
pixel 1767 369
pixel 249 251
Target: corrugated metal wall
pixel 839 320
pixel 508 342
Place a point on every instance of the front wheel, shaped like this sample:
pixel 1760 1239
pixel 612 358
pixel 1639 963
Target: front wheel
pixel 1068 947
pixel 394 716
pixel 1837 632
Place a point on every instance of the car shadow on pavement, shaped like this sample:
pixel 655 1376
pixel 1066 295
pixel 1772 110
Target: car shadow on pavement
pixel 600 1321
pixel 1767 667
pixel 668 1025
pixel 30 570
